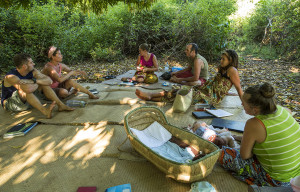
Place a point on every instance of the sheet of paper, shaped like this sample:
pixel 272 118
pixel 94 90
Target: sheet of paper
pixel 219 112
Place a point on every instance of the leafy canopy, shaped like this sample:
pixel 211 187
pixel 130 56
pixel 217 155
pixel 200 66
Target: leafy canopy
pixel 96 6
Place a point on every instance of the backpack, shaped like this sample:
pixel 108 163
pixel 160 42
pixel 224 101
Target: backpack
pixel 166 75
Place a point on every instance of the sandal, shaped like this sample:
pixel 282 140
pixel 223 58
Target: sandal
pixel 110 77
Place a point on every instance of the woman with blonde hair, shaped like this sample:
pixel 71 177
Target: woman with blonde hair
pixel 269 152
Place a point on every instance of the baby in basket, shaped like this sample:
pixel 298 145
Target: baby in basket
pixel 220 137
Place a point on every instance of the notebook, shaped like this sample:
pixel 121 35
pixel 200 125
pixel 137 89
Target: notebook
pixel 87 189
pixel 202 115
pixel 219 112
pixel 231 125
pixel 19 130
pixel 120 188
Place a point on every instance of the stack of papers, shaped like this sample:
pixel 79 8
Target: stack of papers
pixel 219 112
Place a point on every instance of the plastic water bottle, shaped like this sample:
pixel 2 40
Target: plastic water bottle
pixel 76 103
pixel 167 67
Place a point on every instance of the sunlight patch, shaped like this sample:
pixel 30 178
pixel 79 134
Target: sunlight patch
pixel 88 134
pixel 294 70
pixel 48 157
pixel 128 100
pixel 113 168
pixel 102 144
pixel 24 176
pixel 22 113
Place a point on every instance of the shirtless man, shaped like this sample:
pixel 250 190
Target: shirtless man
pixel 22 85
pixel 197 71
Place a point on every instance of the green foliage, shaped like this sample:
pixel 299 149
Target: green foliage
pixel 205 23
pixel 153 26
pixel 9 37
pixel 274 25
pixel 257 50
pixel 168 25
pixel 107 54
pixel 96 6
pixel 38 27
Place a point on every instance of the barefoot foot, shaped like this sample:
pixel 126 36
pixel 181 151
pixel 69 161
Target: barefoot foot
pixel 49 111
pixel 142 95
pixel 65 108
pixel 93 97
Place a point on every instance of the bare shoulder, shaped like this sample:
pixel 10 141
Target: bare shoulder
pixel 256 128
pixel 232 71
pixel 10 80
pixel 253 122
pixel 9 77
pixel 47 68
pixel 199 62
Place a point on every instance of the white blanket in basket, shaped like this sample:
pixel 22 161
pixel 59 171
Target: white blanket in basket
pixel 153 136
pixel 157 138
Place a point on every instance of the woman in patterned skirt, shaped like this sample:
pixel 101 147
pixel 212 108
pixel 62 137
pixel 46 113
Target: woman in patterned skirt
pixel 269 152
pixel 213 91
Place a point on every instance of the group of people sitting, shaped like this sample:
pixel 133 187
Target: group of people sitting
pixel 269 153
pixel 24 86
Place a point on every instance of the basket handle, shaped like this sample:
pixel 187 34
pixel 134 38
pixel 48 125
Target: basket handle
pixel 136 155
pixel 121 145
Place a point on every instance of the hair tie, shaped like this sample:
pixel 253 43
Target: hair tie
pixel 51 51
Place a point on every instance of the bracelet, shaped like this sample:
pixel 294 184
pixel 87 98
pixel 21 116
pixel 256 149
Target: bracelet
pixel 34 80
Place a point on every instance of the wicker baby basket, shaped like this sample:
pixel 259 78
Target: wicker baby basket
pixel 142 117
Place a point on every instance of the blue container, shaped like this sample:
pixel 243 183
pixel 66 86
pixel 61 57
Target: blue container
pixel 174 69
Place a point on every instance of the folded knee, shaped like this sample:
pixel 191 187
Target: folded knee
pixel 63 93
pixel 28 88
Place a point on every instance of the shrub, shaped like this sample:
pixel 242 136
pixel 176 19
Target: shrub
pixel 105 54
pixel 274 24
pixel 168 25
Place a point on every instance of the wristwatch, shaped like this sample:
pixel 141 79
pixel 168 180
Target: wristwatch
pixel 34 80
